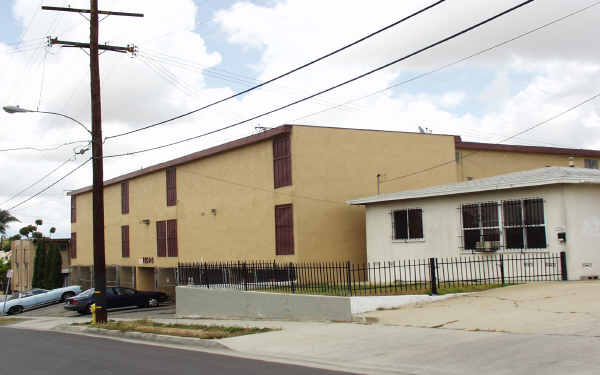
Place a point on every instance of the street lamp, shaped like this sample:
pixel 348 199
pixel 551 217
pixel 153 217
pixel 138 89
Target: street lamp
pixel 97 210
pixel 16 109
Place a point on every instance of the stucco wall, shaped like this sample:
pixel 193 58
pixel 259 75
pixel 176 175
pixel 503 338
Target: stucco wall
pixel 582 225
pixel 334 165
pixel 483 163
pixel 569 208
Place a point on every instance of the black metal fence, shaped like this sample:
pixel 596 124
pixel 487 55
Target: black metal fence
pixel 431 275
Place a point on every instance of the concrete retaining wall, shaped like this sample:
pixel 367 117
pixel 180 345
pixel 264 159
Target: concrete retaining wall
pixel 229 303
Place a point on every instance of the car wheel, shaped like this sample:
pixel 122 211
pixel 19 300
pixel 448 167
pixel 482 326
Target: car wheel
pixel 152 302
pixel 85 311
pixel 66 295
pixel 15 310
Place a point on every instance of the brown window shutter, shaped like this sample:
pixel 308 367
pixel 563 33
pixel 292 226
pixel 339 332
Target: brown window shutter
pixel 73 245
pixel 171 186
pixel 284 230
pixel 125 197
pixel 73 208
pixel 161 238
pixel 282 161
pixel 172 238
pixel 125 241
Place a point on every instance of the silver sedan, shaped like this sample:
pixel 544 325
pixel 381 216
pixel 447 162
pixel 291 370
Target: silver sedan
pixel 33 298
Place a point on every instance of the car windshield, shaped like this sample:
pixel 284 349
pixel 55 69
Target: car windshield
pixel 86 293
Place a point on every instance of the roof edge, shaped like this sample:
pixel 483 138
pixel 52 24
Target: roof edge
pixel 521 148
pixel 238 143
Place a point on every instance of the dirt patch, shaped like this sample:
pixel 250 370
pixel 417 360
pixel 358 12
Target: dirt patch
pixel 174 329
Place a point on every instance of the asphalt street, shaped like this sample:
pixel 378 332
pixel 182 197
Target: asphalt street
pixel 49 353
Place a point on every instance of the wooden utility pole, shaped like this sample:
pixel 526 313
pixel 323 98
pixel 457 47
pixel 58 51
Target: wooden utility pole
pixel 97 156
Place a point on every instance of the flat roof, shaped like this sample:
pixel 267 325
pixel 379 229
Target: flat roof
pixel 530 178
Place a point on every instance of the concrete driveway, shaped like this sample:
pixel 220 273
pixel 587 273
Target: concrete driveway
pixel 557 308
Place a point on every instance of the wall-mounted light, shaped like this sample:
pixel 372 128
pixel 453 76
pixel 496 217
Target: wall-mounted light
pixel 213 211
pixel 145 221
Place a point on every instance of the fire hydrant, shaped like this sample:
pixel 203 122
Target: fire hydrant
pixel 93 311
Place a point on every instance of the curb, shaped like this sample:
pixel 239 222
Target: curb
pixel 151 337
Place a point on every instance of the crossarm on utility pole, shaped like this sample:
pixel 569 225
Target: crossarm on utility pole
pixel 106 12
pixel 130 48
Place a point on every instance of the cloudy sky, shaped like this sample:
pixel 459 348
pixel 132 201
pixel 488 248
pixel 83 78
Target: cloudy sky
pixel 192 52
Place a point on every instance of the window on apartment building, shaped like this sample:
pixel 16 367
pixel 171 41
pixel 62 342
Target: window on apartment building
pixel 125 197
pixel 73 245
pixel 408 224
pixel 171 186
pixel 284 230
pixel 282 161
pixel 172 238
pixel 166 238
pixel 125 250
pixel 480 224
pixel 512 224
pixel 590 163
pixel 73 208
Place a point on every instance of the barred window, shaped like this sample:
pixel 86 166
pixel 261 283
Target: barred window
pixel 512 224
pixel 408 224
pixel 590 163
pixel 524 225
pixel 480 225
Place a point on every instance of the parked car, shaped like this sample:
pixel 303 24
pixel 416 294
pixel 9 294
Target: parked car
pixel 33 298
pixel 116 296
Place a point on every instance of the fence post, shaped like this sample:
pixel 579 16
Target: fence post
pixel 502 268
pixel 348 280
pixel 433 273
pixel 206 276
pixel 245 275
pixel 291 276
pixel 563 266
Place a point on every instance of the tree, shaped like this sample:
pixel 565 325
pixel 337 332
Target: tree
pixel 15 237
pixel 39 222
pixel 5 218
pixel 39 265
pixel 53 276
pixel 52 231
pixel 27 230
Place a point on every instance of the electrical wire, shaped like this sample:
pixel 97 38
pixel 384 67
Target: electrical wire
pixel 455 35
pixel 37 181
pixel 41 148
pixel 49 186
pixel 570 109
pixel 456 62
pixel 286 73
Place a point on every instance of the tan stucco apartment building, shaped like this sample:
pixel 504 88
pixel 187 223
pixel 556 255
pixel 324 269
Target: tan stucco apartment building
pixel 23 257
pixel 280 194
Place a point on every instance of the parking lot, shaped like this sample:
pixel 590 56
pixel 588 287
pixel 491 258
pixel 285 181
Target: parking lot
pixel 128 312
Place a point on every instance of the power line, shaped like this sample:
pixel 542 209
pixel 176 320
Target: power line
pixel 464 31
pixel 287 73
pixel 51 185
pixel 42 148
pixel 37 181
pixel 570 109
pixel 456 62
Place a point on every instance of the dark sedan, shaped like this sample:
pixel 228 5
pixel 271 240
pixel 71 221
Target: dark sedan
pixel 116 296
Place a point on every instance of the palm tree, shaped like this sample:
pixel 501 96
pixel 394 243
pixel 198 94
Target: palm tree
pixel 5 218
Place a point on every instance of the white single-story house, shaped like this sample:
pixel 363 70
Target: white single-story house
pixel 550 209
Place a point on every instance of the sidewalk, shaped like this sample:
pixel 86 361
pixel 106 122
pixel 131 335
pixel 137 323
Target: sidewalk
pixel 394 349
pixel 553 308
